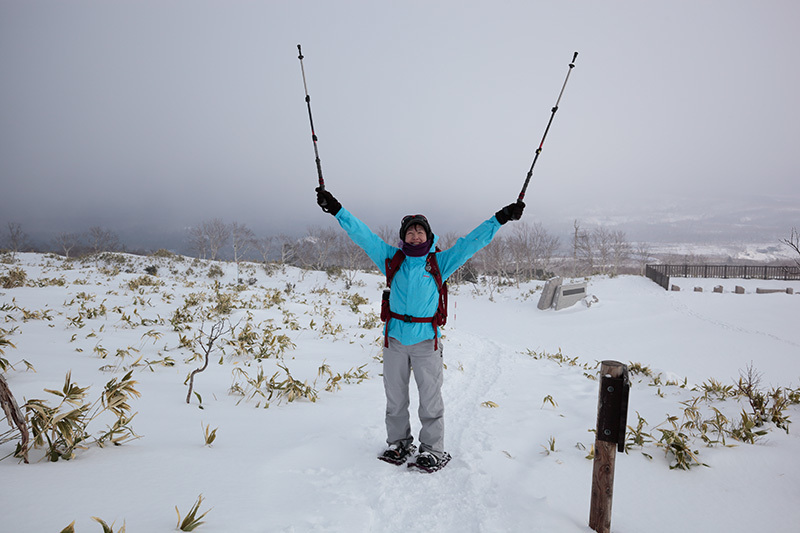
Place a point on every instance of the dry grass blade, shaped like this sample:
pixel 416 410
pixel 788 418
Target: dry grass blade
pixel 191 520
pixel 5 343
pixel 61 431
pixel 106 527
pixel 116 395
pixel 210 436
pixel 549 399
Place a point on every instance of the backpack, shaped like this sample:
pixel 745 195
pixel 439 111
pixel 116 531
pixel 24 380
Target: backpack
pixel 438 319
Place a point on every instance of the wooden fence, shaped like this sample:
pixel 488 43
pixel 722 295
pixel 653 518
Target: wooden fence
pixel 661 273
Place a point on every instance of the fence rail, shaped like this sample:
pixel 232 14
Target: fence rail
pixel 661 273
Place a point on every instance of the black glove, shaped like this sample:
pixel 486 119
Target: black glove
pixel 327 202
pixel 510 212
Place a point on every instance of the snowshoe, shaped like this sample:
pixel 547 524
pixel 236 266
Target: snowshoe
pixel 397 454
pixel 428 462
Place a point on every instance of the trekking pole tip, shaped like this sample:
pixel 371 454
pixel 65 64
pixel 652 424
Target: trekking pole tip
pixel 574 57
pixel 300 52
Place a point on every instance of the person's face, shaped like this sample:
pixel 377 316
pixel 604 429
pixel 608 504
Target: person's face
pixel 416 235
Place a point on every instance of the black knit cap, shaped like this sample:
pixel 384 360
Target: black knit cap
pixel 412 220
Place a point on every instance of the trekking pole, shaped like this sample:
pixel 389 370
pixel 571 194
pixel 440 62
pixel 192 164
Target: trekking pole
pixel 311 120
pixel 552 114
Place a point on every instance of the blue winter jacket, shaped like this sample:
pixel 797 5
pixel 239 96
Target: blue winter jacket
pixel 414 290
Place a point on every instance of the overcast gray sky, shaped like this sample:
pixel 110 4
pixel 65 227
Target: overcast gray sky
pixel 159 114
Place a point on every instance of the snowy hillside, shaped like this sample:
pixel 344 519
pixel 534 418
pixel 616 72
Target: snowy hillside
pixel 520 394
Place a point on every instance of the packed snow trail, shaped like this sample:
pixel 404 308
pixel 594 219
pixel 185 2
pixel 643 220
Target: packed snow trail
pixel 469 495
pixel 461 496
pixel 359 493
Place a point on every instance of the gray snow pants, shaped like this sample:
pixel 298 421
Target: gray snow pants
pixel 398 361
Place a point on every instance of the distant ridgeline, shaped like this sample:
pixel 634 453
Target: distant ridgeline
pixel 661 273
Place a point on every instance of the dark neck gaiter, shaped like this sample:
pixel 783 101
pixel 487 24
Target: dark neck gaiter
pixel 417 250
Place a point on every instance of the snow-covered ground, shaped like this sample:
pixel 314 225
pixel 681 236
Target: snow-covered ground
pixel 721 253
pixel 310 466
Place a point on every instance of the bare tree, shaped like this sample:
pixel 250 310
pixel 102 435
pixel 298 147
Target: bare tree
pixel 314 250
pixel 519 246
pixel 288 248
pixel 793 242
pixel 466 271
pixel 326 240
pixel 603 243
pixel 642 253
pixel 582 250
pixel 494 259
pixel 350 257
pixel 264 246
pixel 531 248
pixel 600 250
pixel 576 232
pixel 197 241
pixel 103 240
pixel 448 240
pixel 621 250
pixel 389 235
pixel 17 239
pixel 217 234
pixel 217 330
pixel 67 241
pixel 242 239
pixel 544 247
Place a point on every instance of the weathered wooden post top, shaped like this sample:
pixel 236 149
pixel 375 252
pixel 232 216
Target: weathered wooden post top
pixel 612 414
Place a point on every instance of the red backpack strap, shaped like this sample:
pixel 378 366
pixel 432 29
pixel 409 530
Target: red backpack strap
pixel 440 318
pixel 432 266
pixel 393 265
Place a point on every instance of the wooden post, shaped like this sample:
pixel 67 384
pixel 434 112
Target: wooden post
pixel 612 409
